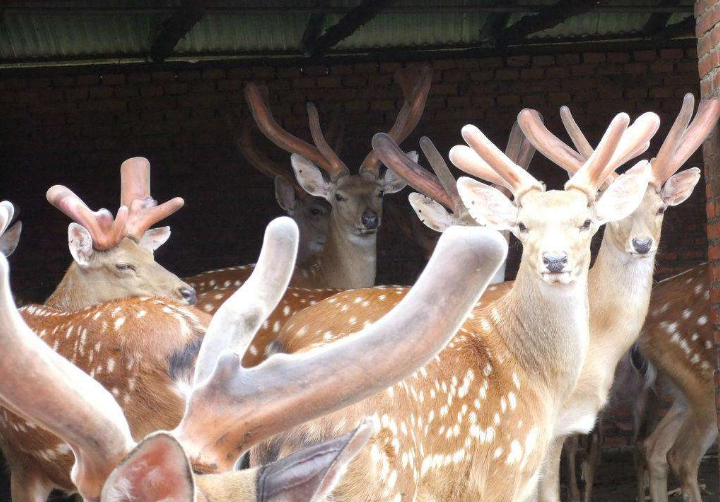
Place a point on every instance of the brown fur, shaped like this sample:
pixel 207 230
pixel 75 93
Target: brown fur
pixel 120 344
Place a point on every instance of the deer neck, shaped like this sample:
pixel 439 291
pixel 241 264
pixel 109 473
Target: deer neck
pixel 74 292
pixel 348 260
pixel 619 287
pixel 546 327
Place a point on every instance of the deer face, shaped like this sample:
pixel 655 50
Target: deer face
pixel 128 269
pixel 555 227
pixel 355 199
pixel 639 234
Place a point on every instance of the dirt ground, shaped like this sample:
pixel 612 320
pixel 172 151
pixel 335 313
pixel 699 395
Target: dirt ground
pixel 615 480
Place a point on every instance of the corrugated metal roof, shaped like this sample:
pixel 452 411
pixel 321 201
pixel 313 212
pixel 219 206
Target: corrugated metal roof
pixel 115 28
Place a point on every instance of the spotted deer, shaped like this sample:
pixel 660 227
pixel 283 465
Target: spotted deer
pixel 113 258
pixel 484 410
pixel 195 460
pixel 311 214
pixel 9 231
pixel 677 339
pixel 348 259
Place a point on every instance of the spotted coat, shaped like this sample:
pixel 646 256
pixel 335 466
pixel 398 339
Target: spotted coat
pixel 119 344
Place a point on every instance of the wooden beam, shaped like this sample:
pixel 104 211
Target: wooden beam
pixel 683 28
pixel 495 24
pixel 349 24
pixel 176 27
pixel 549 17
pixel 312 32
pixel 658 20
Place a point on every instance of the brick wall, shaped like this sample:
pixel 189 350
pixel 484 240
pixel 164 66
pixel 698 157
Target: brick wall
pixel 76 126
pixel 707 13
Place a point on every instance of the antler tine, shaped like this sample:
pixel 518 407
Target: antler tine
pixel 519 149
pixel 42 386
pixel 134 180
pixel 105 232
pixel 7 213
pixel 442 171
pixel 464 158
pixel 547 143
pixel 417 177
pixel 338 167
pixel 591 176
pixel 675 135
pixel 336 132
pixel 516 178
pixel 238 319
pixel 252 405
pixel 278 135
pixel 576 135
pixel 705 120
pixel 415 82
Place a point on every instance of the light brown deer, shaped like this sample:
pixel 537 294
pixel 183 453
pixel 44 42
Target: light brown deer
pixel 621 280
pixel 244 406
pixel 311 214
pixel 113 258
pixel 348 259
pixel 9 232
pixel 476 422
pixel 677 339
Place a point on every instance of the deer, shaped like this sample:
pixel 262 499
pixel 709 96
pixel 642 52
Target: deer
pixel 113 257
pixel 621 280
pixel 484 410
pixel 189 460
pixel 677 339
pixel 9 231
pixel 311 214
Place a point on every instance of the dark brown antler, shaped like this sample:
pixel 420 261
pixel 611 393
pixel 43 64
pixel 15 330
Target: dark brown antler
pixel 415 82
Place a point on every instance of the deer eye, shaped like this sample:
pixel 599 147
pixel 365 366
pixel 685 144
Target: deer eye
pixel 522 227
pixel 586 224
pixel 381 193
pixel 314 211
pixel 124 266
pixel 339 197
pixel 661 210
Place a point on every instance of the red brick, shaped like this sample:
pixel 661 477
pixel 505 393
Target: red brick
pixel 201 86
pixel 661 66
pixel 467 64
pixel 567 59
pixel 583 70
pixel 532 73
pixel 113 79
pixel 518 60
pixel 557 72
pixel 101 92
pixel 594 57
pixel 389 67
pixel 543 60
pixel 175 88
pixel 507 74
pixel 480 76
pixel 213 73
pixel 645 55
pixel 636 68
pixel 88 79
pixel 138 78
pixel 365 68
pixel 618 57
pixel 163 76
pixel 490 62
pixel 63 81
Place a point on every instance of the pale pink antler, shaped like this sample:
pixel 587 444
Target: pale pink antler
pixel 415 82
pixel 683 139
pixel 144 211
pixel 105 231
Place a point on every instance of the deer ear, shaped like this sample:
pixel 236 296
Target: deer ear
pixel 309 176
pixel 9 240
pixel 154 238
pixel 80 244
pixel 679 187
pixel 157 469
pixel 391 181
pixel 622 197
pixel 285 194
pixel 487 205
pixel 311 474
pixel 430 212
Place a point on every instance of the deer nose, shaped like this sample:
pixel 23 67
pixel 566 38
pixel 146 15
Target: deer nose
pixel 188 295
pixel 555 262
pixel 642 246
pixel 370 219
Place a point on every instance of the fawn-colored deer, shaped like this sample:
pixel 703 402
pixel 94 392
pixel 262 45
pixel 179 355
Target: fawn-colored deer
pixel 97 426
pixel 484 410
pixel 9 231
pixel 113 258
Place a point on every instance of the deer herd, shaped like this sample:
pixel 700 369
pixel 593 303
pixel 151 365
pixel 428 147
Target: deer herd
pixel 299 379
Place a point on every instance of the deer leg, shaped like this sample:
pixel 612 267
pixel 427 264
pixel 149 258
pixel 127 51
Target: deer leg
pixel 657 446
pixel 646 414
pixel 697 434
pixel 549 484
pixel 591 462
pixel 570 449
pixel 29 486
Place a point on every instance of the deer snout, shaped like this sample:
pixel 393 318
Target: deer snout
pixel 370 219
pixel 555 261
pixel 189 295
pixel 642 245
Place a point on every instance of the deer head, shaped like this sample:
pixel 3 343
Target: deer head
pixel 356 199
pixel 9 235
pixel 109 465
pixel 638 235
pixel 311 214
pixel 114 257
pixel 555 227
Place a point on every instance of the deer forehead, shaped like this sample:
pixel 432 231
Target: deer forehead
pixel 553 207
pixel 356 184
pixel 130 249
